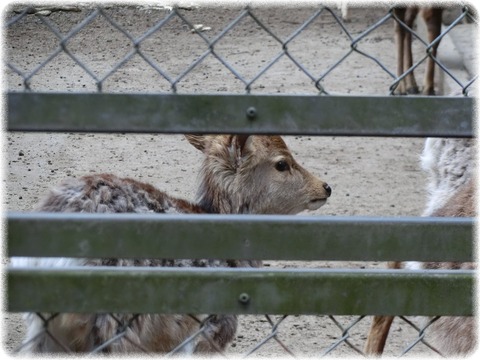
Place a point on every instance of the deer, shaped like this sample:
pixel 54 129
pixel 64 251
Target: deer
pixel 450 165
pixel 240 174
pixel 403 42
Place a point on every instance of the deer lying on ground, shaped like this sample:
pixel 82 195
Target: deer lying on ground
pixel 403 42
pixel 450 165
pixel 240 175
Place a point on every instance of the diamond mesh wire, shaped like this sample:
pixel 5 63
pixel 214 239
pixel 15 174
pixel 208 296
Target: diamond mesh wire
pixel 207 46
pixel 277 338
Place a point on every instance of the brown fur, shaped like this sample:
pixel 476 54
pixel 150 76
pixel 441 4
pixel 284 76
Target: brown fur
pixel 461 204
pixel 240 174
pixel 403 41
pixel 456 335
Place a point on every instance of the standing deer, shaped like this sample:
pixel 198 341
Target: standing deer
pixel 450 165
pixel 240 174
pixel 403 41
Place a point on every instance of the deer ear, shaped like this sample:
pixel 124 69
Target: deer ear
pixel 242 143
pixel 198 141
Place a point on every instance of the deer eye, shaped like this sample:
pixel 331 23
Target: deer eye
pixel 281 165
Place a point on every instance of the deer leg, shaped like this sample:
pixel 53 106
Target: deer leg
pixel 399 35
pixel 403 41
pixel 378 333
pixel 410 83
pixel 433 21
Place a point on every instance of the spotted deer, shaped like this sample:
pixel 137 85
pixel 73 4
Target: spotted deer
pixel 240 174
pixel 450 165
pixel 403 41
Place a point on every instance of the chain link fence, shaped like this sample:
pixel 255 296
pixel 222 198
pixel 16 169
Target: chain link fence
pixel 277 340
pixel 252 45
pixel 193 50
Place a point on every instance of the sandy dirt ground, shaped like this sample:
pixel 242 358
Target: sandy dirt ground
pixel 369 176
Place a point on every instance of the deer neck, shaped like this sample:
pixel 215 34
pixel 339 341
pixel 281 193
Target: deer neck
pixel 220 190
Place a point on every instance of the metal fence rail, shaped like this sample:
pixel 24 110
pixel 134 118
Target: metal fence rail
pixel 332 115
pixel 240 237
pixel 355 293
pixel 240 291
pixel 243 237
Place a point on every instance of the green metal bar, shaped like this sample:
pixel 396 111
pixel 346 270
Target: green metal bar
pixel 262 114
pixel 240 291
pixel 266 237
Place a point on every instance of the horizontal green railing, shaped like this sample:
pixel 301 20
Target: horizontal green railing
pixel 261 114
pixel 263 237
pixel 236 291
pixel 298 291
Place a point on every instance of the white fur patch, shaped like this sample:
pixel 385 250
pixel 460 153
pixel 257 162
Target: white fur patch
pixel 46 262
pixel 413 265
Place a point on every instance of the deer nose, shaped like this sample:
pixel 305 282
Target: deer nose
pixel 328 189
